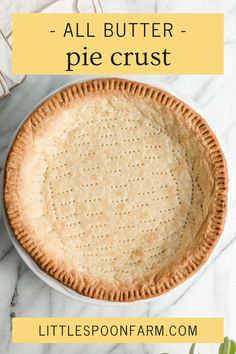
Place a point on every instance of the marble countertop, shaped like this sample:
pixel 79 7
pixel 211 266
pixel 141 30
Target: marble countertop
pixel 211 293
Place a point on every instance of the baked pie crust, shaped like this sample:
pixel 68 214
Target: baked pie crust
pixel 117 189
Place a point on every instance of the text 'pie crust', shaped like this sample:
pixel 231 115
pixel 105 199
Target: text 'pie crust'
pixel 117 189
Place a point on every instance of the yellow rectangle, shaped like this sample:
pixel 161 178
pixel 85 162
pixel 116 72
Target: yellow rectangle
pixel 118 43
pixel 117 330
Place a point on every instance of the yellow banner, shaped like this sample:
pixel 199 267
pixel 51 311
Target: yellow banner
pixel 118 43
pixel 117 330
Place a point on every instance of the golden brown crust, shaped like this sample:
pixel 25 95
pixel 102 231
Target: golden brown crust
pixel 84 283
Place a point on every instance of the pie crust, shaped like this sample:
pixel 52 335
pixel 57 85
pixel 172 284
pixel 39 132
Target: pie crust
pixel 116 189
